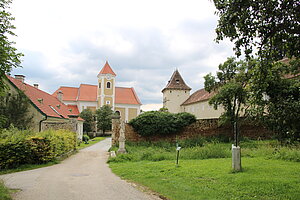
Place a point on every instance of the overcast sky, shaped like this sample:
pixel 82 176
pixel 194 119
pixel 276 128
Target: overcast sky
pixel 66 42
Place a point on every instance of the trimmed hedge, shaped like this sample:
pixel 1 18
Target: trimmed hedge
pixel 161 123
pixel 23 147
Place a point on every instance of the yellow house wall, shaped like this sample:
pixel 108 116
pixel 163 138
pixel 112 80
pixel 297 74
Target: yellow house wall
pixel 108 91
pixel 202 110
pixel 132 113
pixel 122 111
pixel 108 99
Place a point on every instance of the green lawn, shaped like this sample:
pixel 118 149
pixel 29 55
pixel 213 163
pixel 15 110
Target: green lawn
pixel 270 170
pixel 213 179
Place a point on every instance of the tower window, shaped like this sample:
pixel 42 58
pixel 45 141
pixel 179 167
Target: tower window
pixel 108 85
pixel 177 81
pixel 99 85
pixel 107 102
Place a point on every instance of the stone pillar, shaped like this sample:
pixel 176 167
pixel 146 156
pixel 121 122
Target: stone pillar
pixel 122 138
pixel 236 158
pixel 115 129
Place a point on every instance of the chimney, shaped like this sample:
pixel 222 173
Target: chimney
pixel 60 95
pixel 36 85
pixel 20 77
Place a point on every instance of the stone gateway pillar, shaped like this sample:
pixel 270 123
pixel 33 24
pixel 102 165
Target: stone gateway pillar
pixel 122 138
pixel 115 129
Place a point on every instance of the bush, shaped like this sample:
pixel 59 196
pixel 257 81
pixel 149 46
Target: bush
pixel 161 123
pixel 24 147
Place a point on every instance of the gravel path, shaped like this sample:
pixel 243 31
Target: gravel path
pixel 83 176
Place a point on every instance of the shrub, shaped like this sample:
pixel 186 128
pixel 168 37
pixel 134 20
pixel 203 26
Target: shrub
pixel 24 147
pixel 161 123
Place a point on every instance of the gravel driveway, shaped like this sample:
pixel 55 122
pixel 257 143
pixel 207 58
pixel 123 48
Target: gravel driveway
pixel 83 176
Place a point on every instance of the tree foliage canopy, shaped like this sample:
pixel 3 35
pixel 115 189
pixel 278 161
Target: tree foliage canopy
pixel 272 26
pixel 230 87
pixel 9 57
pixel 14 110
pixel 104 115
pixel 89 122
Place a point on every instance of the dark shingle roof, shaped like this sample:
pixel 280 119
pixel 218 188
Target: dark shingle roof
pixel 176 82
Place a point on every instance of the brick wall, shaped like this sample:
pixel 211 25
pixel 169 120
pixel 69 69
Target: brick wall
pixel 202 127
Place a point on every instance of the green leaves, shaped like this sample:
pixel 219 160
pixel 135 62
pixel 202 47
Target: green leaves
pixel 104 118
pixel 161 123
pixel 89 122
pixel 270 26
pixel 9 57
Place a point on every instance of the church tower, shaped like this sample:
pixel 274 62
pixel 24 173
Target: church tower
pixel 106 87
pixel 175 93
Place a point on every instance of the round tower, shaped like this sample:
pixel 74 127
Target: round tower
pixel 175 93
pixel 106 86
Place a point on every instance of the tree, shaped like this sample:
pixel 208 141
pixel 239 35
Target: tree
pixel 89 122
pixel 9 57
pixel 104 118
pixel 271 26
pixel 230 86
pixel 14 110
pixel 271 29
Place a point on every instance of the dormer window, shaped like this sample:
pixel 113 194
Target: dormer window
pixel 108 85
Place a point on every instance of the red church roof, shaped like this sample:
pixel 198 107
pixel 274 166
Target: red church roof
pixel 107 70
pixel 126 96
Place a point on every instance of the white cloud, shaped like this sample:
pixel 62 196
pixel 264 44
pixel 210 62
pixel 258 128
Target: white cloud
pixel 66 42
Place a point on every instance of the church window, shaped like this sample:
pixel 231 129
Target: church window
pixel 107 102
pixel 118 113
pixel 108 85
pixel 99 85
pixel 177 81
pixel 170 91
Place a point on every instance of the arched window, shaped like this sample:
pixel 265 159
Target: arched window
pixel 118 113
pixel 108 85
pixel 99 85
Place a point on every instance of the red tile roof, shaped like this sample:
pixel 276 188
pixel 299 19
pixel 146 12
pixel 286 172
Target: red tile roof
pixel 199 95
pixel 107 70
pixel 126 96
pixel 87 92
pixel 73 109
pixel 45 103
pixel 69 93
pixel 176 82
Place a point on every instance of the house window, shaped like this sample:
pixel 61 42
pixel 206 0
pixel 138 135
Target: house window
pixel 107 102
pixel 108 85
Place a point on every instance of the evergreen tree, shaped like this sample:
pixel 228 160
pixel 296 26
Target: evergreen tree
pixel 14 110
pixel 104 118
pixel 89 122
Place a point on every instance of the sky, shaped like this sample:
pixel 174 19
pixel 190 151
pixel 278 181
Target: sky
pixel 66 43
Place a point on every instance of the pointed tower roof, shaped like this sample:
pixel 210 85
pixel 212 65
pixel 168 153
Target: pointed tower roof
pixel 107 70
pixel 176 82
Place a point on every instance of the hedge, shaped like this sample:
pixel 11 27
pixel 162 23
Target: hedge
pixel 161 123
pixel 23 147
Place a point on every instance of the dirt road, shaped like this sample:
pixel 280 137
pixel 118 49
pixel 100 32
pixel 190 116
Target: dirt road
pixel 83 176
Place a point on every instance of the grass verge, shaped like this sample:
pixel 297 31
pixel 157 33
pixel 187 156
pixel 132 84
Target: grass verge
pixel 4 192
pixel 213 179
